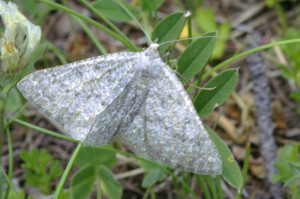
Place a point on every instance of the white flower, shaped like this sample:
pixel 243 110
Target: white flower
pixel 19 40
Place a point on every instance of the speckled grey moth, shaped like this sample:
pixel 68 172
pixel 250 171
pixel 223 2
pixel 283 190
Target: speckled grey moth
pixel 133 96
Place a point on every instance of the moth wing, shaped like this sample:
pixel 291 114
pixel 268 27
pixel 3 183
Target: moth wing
pixel 118 115
pixel 168 129
pixel 74 94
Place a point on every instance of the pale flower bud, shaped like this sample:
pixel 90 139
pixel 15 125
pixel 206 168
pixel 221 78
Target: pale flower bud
pixel 19 40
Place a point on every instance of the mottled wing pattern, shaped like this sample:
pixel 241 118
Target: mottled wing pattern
pixel 118 116
pixel 168 129
pixel 75 94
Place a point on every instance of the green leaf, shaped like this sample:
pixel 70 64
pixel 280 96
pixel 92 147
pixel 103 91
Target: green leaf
pixel 275 178
pixel 168 29
pixel 95 156
pixel 287 155
pixel 287 72
pixel 18 194
pixel 10 84
pixel 223 85
pixel 224 30
pixel 292 181
pixel 196 55
pixel 230 169
pixel 29 6
pixel 113 11
pixel 297 193
pixel 2 182
pixel 154 4
pixel 205 19
pixel 54 170
pixel 38 53
pixel 110 186
pixel 13 102
pixel 41 169
pixel 65 194
pixel 82 182
pixel 153 174
pixel 295 95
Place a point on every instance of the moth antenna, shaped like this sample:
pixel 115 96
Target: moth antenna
pixel 197 87
pixel 191 38
pixel 136 21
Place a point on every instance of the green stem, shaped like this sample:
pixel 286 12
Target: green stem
pixel 219 187
pixel 52 133
pixel 245 169
pixel 150 13
pixel 2 105
pixel 211 186
pixel 93 22
pixel 281 15
pixel 203 186
pixel 190 34
pixel 11 160
pixel 9 182
pixel 124 38
pixel 146 26
pixel 228 61
pixel 99 194
pixel 145 196
pixel 18 114
pixel 91 35
pixel 67 171
pixel 152 194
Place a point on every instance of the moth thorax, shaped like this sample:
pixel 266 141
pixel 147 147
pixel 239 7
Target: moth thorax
pixel 153 48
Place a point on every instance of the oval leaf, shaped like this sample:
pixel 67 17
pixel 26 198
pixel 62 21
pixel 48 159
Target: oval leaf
pixel 82 182
pixel 223 85
pixel 113 11
pixel 230 169
pixel 168 29
pixel 13 102
pixel 109 185
pixel 153 4
pixel 95 156
pixel 196 55
pixel 153 174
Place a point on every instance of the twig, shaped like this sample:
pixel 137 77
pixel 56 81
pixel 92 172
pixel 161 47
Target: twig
pixel 263 108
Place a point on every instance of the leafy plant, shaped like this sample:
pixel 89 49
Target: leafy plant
pixel 274 2
pixel 19 194
pixel 292 71
pixel 41 169
pixel 93 163
pixel 152 174
pixel 113 11
pixel 288 165
pixel 205 19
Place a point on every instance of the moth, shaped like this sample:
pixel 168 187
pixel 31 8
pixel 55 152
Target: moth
pixel 132 96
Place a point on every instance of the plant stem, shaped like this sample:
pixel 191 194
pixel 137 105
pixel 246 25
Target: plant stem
pixel 245 169
pixel 126 42
pixel 203 186
pixel 245 53
pixel 2 105
pixel 145 196
pixel 11 159
pixel 211 185
pixel 67 171
pixel 219 187
pixel 117 30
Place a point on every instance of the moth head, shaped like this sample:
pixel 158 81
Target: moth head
pixel 153 48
